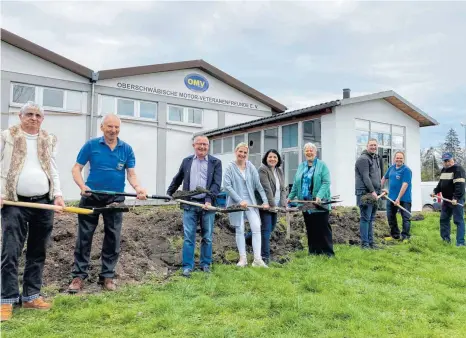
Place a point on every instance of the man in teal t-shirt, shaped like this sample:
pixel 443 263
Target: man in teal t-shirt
pixel 399 190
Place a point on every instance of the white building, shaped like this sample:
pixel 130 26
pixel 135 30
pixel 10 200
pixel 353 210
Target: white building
pixel 162 106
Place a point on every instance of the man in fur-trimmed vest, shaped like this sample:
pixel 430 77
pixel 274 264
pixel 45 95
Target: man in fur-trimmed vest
pixel 29 174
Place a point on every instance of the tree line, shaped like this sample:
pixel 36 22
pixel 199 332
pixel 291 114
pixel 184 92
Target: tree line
pixel 431 158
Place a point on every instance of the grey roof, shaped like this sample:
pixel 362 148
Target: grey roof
pixel 269 119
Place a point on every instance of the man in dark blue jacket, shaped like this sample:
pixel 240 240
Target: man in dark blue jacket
pixel 198 170
pixel 452 187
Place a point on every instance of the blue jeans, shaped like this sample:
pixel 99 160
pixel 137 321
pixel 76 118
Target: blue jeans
pixel 458 218
pixel 191 216
pixel 393 222
pixel 366 221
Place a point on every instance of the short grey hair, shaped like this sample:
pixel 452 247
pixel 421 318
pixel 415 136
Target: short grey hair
pixel 106 117
pixel 30 105
pixel 198 136
pixel 310 145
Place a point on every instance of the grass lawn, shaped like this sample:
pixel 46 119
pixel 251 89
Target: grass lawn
pixel 406 290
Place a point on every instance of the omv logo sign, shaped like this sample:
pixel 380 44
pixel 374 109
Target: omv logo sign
pixel 196 82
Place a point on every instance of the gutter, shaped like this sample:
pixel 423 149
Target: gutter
pixel 94 78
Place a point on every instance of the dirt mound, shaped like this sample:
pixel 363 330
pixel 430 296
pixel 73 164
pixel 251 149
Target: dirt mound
pixel 152 238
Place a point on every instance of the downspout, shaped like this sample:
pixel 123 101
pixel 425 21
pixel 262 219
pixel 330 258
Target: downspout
pixel 95 77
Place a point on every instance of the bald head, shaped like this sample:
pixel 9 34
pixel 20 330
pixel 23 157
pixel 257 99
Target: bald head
pixel 110 127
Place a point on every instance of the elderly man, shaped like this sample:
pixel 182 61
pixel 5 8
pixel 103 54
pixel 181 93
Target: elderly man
pixel 451 185
pixel 399 190
pixel 205 171
pixel 29 174
pixel 109 158
pixel 367 179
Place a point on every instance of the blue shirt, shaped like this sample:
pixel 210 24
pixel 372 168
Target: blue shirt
pixel 198 174
pixel 396 177
pixel 107 167
pixel 307 182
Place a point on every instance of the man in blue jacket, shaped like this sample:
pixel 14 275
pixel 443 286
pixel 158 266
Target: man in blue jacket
pixel 399 190
pixel 198 170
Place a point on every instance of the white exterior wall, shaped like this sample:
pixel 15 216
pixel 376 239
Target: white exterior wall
pixel 18 61
pixel 179 146
pixel 231 118
pixel 70 131
pixel 339 145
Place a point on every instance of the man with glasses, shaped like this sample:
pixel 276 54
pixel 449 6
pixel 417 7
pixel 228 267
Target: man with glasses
pixel 451 185
pixel 204 171
pixel 29 174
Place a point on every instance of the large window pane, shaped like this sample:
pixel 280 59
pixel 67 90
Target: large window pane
pixel 290 162
pixel 125 107
pixel 228 145
pixel 290 136
pixel 362 137
pixel 148 110
pixel 254 142
pixel 387 140
pixel 398 142
pixel 256 160
pixel 378 137
pixel 73 101
pixel 311 131
pixel 380 127
pixel 194 115
pixel 217 146
pixel 359 149
pixel 175 113
pixel 23 94
pixel 270 139
pixel 108 105
pixel 398 130
pixel 53 98
pixel 238 139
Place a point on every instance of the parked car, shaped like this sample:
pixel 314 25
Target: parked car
pixel 429 203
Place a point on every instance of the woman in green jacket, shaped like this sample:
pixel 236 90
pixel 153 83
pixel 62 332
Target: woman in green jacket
pixel 312 182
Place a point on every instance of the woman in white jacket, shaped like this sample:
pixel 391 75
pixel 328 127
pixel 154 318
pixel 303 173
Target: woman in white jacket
pixel 241 179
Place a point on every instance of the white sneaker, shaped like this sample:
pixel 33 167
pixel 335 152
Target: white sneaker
pixel 258 262
pixel 243 261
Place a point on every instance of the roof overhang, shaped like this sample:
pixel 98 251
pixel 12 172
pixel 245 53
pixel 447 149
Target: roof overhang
pixel 45 54
pixel 399 102
pixel 200 64
pixel 324 108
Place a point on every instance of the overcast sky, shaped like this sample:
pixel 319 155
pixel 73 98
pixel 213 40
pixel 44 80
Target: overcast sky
pixel 298 53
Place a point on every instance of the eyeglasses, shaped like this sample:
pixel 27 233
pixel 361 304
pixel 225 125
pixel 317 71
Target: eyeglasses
pixel 202 144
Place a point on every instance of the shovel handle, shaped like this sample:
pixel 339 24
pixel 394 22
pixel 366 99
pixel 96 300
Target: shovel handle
pixel 52 207
pixel 448 200
pixel 399 206
pixel 196 204
pixel 128 194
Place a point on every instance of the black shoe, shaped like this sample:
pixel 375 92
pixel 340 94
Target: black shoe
pixel 374 247
pixel 187 273
pixel 206 269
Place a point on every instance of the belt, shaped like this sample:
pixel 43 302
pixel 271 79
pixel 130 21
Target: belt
pixel 33 198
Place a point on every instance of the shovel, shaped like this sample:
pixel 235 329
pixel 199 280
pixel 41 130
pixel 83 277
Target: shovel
pixel 114 193
pixel 81 211
pixel 221 210
pixel 183 194
pixel 447 200
pixel 384 194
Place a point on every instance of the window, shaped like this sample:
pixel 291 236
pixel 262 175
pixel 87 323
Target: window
pixel 184 115
pixel 125 107
pixel 53 98
pixel 290 136
pixel 23 94
pixel 148 110
pixel 74 100
pixel 254 142
pixel 217 146
pixel 194 115
pixel 270 139
pixel 237 140
pixel 228 145
pixel 290 165
pixel 312 134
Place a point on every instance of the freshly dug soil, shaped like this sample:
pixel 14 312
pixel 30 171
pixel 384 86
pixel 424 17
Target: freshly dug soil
pixel 152 239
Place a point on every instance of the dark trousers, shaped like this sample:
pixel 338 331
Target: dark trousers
pixel 366 222
pixel 86 228
pixel 268 223
pixel 393 222
pixel 457 211
pixel 319 233
pixel 17 223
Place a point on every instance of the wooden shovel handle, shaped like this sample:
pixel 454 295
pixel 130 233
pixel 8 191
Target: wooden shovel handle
pixel 52 207
pixel 399 206
pixel 448 200
pixel 196 204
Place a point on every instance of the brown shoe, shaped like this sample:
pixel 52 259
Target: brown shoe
pixel 76 285
pixel 108 284
pixel 6 312
pixel 38 304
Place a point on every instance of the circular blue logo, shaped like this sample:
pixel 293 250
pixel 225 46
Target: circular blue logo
pixel 196 82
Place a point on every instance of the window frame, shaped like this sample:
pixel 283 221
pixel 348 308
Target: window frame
pixel 136 104
pixel 185 116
